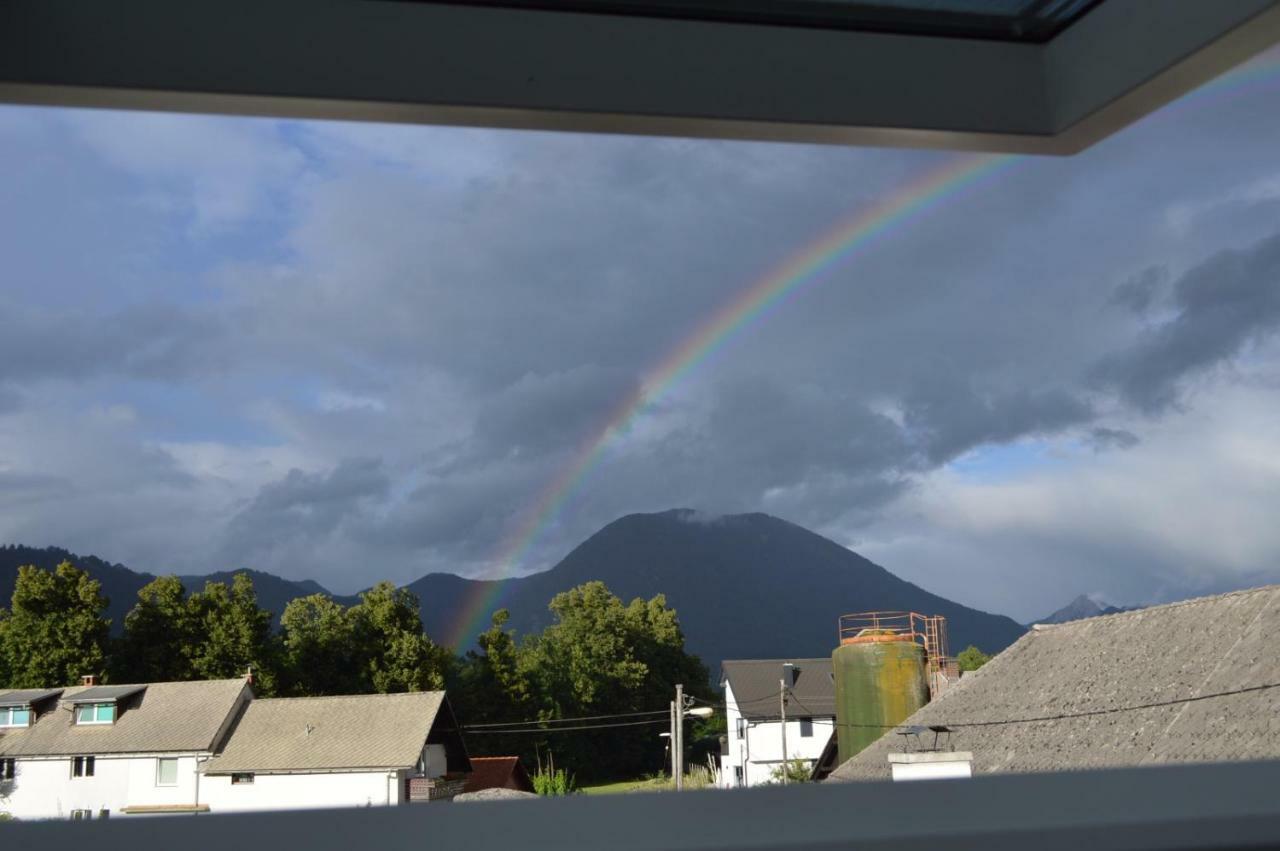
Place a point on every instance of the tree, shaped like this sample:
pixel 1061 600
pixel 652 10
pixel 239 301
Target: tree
pixel 598 657
pixel 396 655
pixel 55 631
pixel 793 770
pixel 971 659
pixel 231 633
pixel 320 648
pixel 159 636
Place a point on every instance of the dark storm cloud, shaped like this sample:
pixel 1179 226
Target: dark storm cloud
pixel 1102 438
pixel 948 418
pixel 1221 304
pixel 1140 292
pixel 306 505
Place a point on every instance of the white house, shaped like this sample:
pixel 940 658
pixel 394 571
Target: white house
pixel 91 751
pixel 345 751
pixel 210 746
pixel 753 691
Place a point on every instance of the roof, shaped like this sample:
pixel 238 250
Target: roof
pixel 755 687
pixel 28 696
pixel 164 717
pixel 495 772
pixel 1021 76
pixel 351 732
pixel 1162 654
pixel 105 694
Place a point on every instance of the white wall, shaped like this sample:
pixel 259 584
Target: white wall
pixel 303 791
pixel 44 787
pixel 759 750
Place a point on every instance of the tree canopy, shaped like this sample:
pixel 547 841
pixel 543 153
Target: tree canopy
pixel 971 659
pixel 54 631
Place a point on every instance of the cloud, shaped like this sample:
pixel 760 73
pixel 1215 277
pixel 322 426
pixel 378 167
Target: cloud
pixel 1220 305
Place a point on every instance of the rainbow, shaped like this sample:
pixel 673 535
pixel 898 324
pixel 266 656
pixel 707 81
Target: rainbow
pixel 849 236
pixel 749 306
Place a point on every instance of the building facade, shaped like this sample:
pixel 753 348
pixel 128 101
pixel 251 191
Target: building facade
pixel 756 694
pixel 209 746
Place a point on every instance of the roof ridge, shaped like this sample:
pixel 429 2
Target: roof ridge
pixel 1190 601
pixel 346 696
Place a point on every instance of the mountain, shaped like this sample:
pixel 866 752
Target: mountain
pixel 746 586
pixel 120 584
pixel 1081 607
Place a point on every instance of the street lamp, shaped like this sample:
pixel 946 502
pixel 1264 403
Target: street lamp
pixel 679 711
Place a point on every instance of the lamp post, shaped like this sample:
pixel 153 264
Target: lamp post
pixel 679 711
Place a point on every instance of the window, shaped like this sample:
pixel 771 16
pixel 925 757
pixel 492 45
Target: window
pixel 241 779
pixel 742 728
pixel 82 766
pixel 8 769
pixel 15 716
pixel 737 775
pixel 96 713
pixel 81 815
pixel 167 771
pixel 806 728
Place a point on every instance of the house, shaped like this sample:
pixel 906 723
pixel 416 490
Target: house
pixel 498 772
pixel 1188 682
pixel 93 750
pixel 752 693
pixel 343 751
pixel 209 746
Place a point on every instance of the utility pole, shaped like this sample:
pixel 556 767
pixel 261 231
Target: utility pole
pixel 679 742
pixel 782 710
pixel 671 741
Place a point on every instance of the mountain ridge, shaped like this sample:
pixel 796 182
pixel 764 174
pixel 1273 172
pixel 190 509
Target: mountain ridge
pixel 745 586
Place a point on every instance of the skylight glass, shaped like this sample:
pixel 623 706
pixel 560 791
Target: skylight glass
pixel 1006 20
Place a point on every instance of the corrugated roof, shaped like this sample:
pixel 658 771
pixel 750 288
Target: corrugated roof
pixel 755 684
pixel 27 696
pixel 1160 654
pixel 165 717
pixel 371 731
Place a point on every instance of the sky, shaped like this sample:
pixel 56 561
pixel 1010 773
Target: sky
pixel 351 352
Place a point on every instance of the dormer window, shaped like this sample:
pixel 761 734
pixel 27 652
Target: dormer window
pixel 95 713
pixel 15 716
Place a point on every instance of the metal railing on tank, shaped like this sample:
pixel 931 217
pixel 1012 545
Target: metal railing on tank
pixel 929 631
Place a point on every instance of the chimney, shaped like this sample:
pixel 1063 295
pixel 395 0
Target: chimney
pixel 248 675
pixel 89 680
pixel 789 674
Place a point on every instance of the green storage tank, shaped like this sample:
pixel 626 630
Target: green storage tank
pixel 880 680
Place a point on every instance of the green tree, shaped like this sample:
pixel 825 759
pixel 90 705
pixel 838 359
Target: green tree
pixel 794 771
pixel 320 648
pixel 396 655
pixel 159 636
pixel 598 657
pixel 55 631
pixel 971 659
pixel 232 634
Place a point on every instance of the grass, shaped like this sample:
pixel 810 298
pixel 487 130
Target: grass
pixel 637 785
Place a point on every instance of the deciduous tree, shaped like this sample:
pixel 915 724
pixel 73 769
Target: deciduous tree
pixel 55 631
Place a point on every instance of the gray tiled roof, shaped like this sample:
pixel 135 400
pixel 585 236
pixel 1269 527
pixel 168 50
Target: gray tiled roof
pixel 1160 654
pixel 165 717
pixel 104 694
pixel 755 684
pixel 322 733
pixel 27 696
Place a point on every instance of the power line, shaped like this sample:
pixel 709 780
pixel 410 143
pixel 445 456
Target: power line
pixel 1038 719
pixel 565 729
pixel 565 720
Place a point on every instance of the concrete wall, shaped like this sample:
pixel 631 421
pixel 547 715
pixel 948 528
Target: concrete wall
pixel 758 751
pixel 44 787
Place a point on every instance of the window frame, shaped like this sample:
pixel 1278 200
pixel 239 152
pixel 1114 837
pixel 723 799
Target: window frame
pixel 8 768
pixel 242 778
pixel 83 766
pixel 160 762
pixel 7 713
pixel 806 728
pixel 96 708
